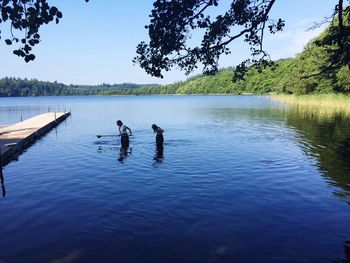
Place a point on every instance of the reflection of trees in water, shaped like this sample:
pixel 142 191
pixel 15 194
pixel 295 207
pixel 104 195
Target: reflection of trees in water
pixel 327 139
pixel 324 137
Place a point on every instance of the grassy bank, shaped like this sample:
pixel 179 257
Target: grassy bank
pixel 320 104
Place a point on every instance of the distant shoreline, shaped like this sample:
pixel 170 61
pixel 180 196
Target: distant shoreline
pixel 136 95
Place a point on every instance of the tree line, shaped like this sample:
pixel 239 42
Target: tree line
pixel 16 87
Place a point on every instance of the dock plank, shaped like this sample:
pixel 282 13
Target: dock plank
pixel 17 137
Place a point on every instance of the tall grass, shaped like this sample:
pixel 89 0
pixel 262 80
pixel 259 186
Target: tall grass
pixel 322 105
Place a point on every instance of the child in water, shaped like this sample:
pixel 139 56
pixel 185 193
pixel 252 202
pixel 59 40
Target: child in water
pixel 124 136
pixel 159 137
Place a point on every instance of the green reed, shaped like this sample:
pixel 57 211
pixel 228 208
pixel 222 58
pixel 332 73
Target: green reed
pixel 321 105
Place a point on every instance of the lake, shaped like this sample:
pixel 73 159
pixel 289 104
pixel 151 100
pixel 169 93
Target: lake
pixel 240 179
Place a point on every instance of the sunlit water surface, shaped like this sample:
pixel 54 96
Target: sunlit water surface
pixel 241 179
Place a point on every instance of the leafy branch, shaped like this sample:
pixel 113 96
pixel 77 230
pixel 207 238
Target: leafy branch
pixel 27 16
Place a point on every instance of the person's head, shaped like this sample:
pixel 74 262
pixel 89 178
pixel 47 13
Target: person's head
pixel 119 123
pixel 154 127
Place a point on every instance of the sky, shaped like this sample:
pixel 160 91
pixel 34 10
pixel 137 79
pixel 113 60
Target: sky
pixel 95 42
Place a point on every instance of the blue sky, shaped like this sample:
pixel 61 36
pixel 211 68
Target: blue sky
pixel 95 42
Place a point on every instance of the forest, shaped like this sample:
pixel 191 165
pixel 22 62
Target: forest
pixel 16 87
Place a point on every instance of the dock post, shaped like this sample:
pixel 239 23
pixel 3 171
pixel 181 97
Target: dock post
pixel 2 178
pixel 0 162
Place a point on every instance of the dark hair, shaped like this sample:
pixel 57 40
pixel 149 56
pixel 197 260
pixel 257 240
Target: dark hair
pixel 119 122
pixel 154 126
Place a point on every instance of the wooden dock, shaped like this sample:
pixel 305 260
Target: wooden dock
pixel 14 139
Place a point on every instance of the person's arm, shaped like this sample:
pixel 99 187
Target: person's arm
pixel 130 133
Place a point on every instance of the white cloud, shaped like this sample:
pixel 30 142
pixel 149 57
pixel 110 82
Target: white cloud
pixel 292 41
pixel 285 44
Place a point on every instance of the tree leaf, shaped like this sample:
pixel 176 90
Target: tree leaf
pixel 29 58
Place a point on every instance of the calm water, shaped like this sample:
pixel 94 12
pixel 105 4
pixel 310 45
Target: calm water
pixel 241 179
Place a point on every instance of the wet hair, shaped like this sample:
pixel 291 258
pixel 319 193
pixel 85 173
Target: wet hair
pixel 154 127
pixel 119 123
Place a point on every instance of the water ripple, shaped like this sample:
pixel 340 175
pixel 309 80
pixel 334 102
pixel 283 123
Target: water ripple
pixel 233 183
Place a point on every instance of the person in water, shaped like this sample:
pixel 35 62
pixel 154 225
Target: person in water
pixel 123 133
pixel 159 135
